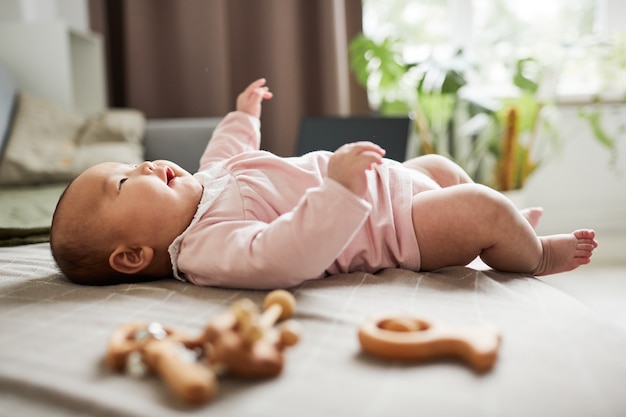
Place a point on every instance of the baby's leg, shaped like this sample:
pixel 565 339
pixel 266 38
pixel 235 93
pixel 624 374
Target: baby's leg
pixel 532 215
pixel 445 172
pixel 454 225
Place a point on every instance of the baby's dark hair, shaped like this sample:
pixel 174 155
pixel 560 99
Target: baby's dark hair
pixel 79 253
pixel 85 264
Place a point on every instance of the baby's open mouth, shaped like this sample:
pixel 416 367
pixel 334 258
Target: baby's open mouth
pixel 169 174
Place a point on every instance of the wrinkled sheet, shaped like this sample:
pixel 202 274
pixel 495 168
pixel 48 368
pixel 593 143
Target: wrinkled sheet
pixel 557 357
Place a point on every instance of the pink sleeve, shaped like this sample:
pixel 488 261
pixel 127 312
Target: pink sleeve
pixel 237 132
pixel 297 246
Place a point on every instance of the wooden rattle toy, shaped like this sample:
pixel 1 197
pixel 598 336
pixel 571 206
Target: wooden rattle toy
pixel 142 347
pixel 241 342
pixel 246 343
pixel 406 338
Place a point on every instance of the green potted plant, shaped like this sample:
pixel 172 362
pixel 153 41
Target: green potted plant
pixel 496 141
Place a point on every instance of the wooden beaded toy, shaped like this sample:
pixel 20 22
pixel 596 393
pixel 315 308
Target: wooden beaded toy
pixel 405 338
pixel 241 342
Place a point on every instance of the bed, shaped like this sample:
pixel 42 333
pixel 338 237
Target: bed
pixel 557 357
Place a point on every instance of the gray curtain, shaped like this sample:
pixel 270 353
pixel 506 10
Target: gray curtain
pixel 175 58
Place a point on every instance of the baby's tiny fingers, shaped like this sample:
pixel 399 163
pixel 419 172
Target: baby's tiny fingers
pixel 366 146
pixel 258 82
pixel 371 158
pixel 255 85
pixel 264 92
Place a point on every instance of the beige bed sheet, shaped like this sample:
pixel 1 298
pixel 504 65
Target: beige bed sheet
pixel 557 357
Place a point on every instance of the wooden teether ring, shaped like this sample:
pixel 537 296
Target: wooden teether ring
pixel 406 338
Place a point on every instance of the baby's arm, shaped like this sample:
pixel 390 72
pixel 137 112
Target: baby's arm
pixel 297 246
pixel 239 131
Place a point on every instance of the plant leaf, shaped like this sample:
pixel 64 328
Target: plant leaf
pixel 527 75
pixel 379 63
pixel 595 122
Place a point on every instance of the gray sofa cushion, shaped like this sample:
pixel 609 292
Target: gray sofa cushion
pixel 179 140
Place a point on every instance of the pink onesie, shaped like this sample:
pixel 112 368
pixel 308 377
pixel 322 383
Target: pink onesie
pixel 270 222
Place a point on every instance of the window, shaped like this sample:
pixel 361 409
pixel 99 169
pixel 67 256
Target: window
pixel 576 42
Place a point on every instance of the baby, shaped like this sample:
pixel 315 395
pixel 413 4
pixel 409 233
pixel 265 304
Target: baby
pixel 251 219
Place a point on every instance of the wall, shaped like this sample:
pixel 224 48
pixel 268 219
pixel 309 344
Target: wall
pixel 73 12
pixel 54 57
pixel 612 13
pixel 578 189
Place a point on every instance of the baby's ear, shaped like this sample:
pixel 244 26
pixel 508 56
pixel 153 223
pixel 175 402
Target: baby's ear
pixel 129 260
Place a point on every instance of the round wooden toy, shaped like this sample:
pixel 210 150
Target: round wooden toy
pixel 406 338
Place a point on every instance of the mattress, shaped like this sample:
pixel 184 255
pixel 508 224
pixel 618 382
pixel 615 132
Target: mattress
pixel 556 358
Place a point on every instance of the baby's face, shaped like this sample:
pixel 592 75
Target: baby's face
pixel 151 203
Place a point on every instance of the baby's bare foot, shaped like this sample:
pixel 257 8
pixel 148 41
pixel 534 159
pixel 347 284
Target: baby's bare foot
pixel 532 215
pixel 563 253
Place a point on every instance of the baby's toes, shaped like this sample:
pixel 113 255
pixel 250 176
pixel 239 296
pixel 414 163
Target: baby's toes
pixel 585 234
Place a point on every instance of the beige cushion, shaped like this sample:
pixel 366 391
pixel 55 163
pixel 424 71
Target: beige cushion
pixel 50 144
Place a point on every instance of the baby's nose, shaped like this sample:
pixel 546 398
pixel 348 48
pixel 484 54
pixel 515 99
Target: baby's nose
pixel 146 167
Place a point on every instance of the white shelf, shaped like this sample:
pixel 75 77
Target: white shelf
pixel 55 62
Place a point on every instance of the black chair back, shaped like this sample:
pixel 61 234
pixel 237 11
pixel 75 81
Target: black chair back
pixel 329 133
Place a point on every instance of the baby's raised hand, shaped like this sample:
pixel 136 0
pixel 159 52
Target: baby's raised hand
pixel 350 162
pixel 250 99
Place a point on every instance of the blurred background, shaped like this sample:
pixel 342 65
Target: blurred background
pixel 491 83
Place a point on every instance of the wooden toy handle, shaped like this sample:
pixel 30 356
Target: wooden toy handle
pixel 120 345
pixel 277 305
pixel 404 338
pixel 189 380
